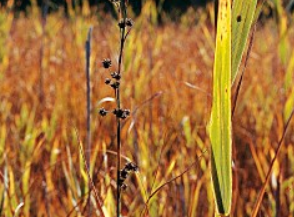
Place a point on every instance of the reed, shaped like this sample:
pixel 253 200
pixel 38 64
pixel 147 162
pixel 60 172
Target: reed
pixel 125 24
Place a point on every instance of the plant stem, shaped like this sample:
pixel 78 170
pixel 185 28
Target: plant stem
pixel 41 62
pixel 88 149
pixel 122 36
pixel 117 94
pixel 118 196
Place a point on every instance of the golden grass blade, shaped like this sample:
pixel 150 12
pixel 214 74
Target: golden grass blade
pixel 274 160
pixel 97 198
pixel 289 73
pixel 220 122
pixel 289 105
pixel 243 13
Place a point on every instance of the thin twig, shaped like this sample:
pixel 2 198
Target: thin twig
pixel 157 94
pixel 88 114
pixel 118 135
pixel 262 191
pixel 78 203
pixel 170 181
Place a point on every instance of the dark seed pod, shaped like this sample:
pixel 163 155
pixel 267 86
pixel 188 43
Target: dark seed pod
pixel 123 116
pixel 129 22
pixel 102 112
pixel 115 85
pixel 127 112
pixel 107 81
pixel 131 167
pixel 115 75
pixel 121 24
pixel 124 174
pixel 123 187
pixel 106 63
pixel 118 112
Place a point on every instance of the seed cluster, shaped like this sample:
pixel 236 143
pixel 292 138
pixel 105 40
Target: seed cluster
pixel 123 23
pixel 122 113
pixel 106 63
pixel 113 82
pixel 124 173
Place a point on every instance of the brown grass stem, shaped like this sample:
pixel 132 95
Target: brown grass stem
pixel 262 191
pixel 117 95
pixel 88 113
pixel 118 190
pixel 170 181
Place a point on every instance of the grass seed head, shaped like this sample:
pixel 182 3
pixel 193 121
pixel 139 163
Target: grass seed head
pixel 115 75
pixel 106 63
pixel 103 112
pixel 129 22
pixel 107 81
pixel 115 85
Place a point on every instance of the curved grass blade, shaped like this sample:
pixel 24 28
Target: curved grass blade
pixel 243 13
pixel 220 123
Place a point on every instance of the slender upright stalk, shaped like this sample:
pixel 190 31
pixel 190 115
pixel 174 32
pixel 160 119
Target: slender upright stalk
pixel 88 142
pixel 122 42
pixel 44 22
pixel 118 196
pixel 118 112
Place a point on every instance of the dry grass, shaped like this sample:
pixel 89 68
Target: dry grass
pixel 167 79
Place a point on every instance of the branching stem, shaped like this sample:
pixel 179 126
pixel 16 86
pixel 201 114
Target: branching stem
pixel 117 94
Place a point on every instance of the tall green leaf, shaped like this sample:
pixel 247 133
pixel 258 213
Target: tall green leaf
pixel 243 12
pixel 220 123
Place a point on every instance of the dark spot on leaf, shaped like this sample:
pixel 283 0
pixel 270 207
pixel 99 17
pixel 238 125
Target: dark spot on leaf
pixel 239 18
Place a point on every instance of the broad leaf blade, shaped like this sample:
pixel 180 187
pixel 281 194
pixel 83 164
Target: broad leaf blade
pixel 220 123
pixel 243 13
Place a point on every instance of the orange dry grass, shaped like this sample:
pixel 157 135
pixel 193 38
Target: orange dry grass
pixel 166 81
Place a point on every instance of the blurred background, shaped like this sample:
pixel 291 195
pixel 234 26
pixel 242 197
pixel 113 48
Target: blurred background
pixel 171 7
pixel 167 77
